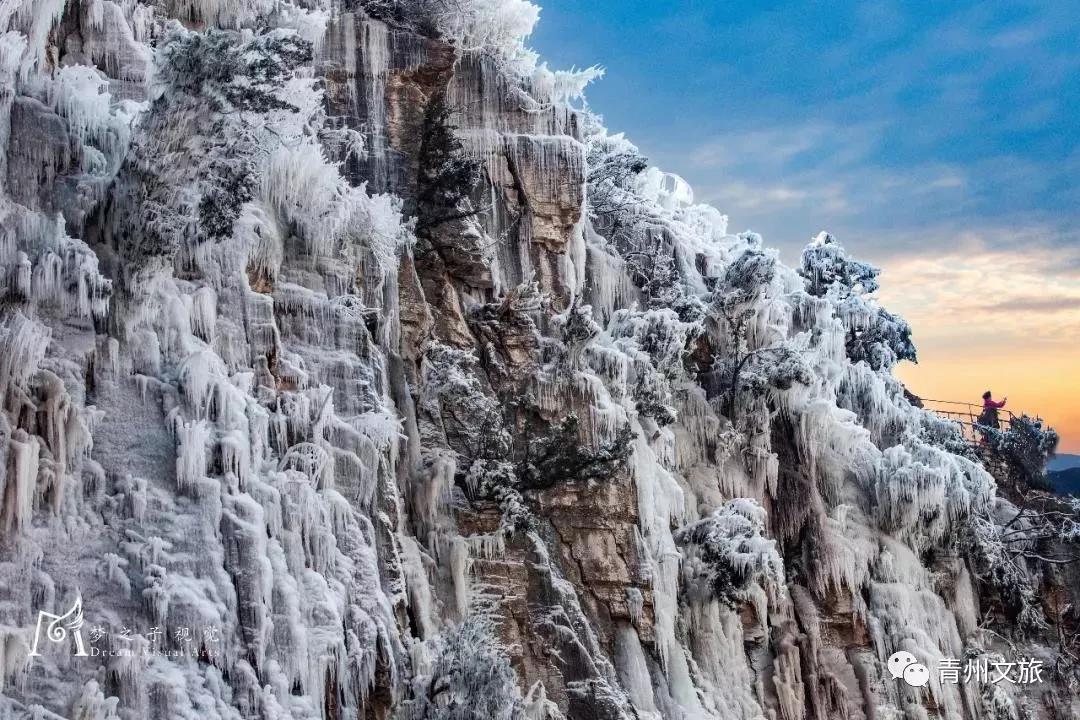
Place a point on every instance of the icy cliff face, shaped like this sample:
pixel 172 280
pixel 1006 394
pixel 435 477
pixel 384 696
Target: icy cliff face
pixel 348 371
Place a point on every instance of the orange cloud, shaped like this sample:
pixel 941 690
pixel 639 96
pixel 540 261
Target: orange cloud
pixel 1007 321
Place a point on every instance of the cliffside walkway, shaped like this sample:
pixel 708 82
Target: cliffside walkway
pixel 966 415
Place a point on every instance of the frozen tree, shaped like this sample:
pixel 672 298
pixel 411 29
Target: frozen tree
pixel 652 399
pixel 225 91
pixel 496 28
pixel 728 551
pixel 1010 547
pixel 229 183
pixel 998 561
pixel 235 77
pixel 653 271
pixel 742 366
pixel 825 265
pixel 881 340
pixel 470 677
pixel 874 335
pixel 614 167
pixel 745 281
pixel 420 14
pixel 447 176
pixel 1065 614
pixel 497 480
pixel 752 373
pixel 496 464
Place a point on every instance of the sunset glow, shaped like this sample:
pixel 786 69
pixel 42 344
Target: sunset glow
pixel 1006 321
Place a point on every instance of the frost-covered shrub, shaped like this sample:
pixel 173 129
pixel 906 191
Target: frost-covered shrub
pixel 497 465
pixel 540 457
pixel 657 340
pixel 229 183
pixel 496 480
pixel 691 310
pixel 470 677
pixel 453 395
pixel 560 455
pixel 652 399
pixel 230 73
pixel 997 704
pixel 476 429
pixel 997 559
pixel 575 329
pixel 507 333
pixel 945 434
pixel 728 552
pixel 1026 445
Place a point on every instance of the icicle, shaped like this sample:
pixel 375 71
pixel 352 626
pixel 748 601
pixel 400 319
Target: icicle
pixel 204 313
pixel 23 343
pixel 192 440
pixel 21 483
pixel 21 277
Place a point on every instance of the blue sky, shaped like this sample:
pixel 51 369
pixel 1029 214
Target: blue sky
pixel 896 126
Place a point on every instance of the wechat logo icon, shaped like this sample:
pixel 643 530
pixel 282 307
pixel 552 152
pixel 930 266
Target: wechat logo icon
pixel 902 665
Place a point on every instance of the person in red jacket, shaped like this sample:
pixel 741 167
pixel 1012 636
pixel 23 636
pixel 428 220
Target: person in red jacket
pixel 989 416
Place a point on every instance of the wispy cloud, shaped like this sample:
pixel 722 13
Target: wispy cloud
pixel 999 300
pixel 1039 305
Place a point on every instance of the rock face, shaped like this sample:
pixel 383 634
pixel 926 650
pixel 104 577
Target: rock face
pixel 318 402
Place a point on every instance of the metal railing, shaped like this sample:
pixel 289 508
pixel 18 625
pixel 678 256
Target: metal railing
pixel 967 416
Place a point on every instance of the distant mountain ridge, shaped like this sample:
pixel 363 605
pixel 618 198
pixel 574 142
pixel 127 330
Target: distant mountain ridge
pixel 1063 461
pixel 1065 482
